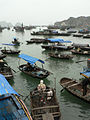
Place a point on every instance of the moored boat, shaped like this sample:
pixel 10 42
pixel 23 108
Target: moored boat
pixel 77 35
pixel 10 51
pixel 16 42
pixel 5 70
pixel 31 69
pixel 2 56
pixel 75 88
pixel 81 52
pixel 61 56
pixel 11 105
pixel 44 103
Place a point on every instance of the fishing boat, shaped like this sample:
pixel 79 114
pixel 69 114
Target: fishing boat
pixel 77 35
pixel 2 56
pixel 11 105
pixel 10 51
pixel 5 70
pixel 31 69
pixel 58 44
pixel 76 45
pixel 61 56
pixel 75 88
pixel 37 40
pixel 44 104
pixel 81 52
pixel 86 36
pixel 16 42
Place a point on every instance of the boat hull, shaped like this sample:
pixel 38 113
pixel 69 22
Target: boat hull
pixel 75 88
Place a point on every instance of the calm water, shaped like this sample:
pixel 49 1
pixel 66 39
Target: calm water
pixel 71 107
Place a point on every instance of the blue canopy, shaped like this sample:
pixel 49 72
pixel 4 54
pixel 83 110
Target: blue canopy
pixel 5 87
pixel 67 41
pixel 55 40
pixel 59 40
pixel 8 44
pixel 30 59
pixel 85 74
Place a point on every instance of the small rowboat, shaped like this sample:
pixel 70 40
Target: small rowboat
pixel 61 56
pixel 81 52
pixel 75 88
pixel 10 51
pixel 32 69
pixel 44 104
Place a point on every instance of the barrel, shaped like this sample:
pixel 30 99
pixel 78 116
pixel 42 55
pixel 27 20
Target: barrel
pixel 88 63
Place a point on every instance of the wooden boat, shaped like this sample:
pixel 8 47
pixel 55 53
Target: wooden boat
pixel 2 56
pixel 33 70
pixel 5 70
pixel 81 52
pixel 44 104
pixel 61 56
pixel 77 35
pixel 85 48
pixel 10 51
pixel 17 43
pixel 75 88
pixel 57 47
pixel 80 45
pixel 86 36
pixel 11 105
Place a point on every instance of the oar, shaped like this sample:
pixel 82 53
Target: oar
pixel 80 61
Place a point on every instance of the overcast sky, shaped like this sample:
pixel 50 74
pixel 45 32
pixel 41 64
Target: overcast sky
pixel 42 12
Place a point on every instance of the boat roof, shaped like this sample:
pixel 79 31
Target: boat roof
pixel 8 44
pixel 85 74
pixel 55 40
pixel 5 87
pixel 30 59
pixel 59 40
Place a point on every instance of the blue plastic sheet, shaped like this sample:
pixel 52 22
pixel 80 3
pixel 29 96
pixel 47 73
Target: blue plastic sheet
pixel 5 87
pixel 30 59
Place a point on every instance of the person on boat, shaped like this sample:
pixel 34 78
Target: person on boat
pixel 85 82
pixel 79 50
pixel 2 64
pixel 28 67
pixel 4 48
pixel 41 86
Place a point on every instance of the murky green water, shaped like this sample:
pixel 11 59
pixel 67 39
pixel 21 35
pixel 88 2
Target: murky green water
pixel 71 107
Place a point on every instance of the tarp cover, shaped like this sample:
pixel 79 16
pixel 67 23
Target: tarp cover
pixel 59 40
pixel 8 44
pixel 55 40
pixel 30 59
pixel 5 87
pixel 85 74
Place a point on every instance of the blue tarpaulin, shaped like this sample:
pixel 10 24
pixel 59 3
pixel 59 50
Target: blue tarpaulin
pixel 85 74
pixel 55 40
pixel 5 87
pixel 30 59
pixel 8 44
pixel 59 40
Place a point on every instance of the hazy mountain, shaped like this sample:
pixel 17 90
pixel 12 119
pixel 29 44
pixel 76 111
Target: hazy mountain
pixel 79 22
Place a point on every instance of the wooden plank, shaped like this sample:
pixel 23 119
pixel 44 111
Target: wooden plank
pixel 73 85
pixel 45 107
pixel 87 95
pixel 54 113
pixel 47 116
pixel 68 82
